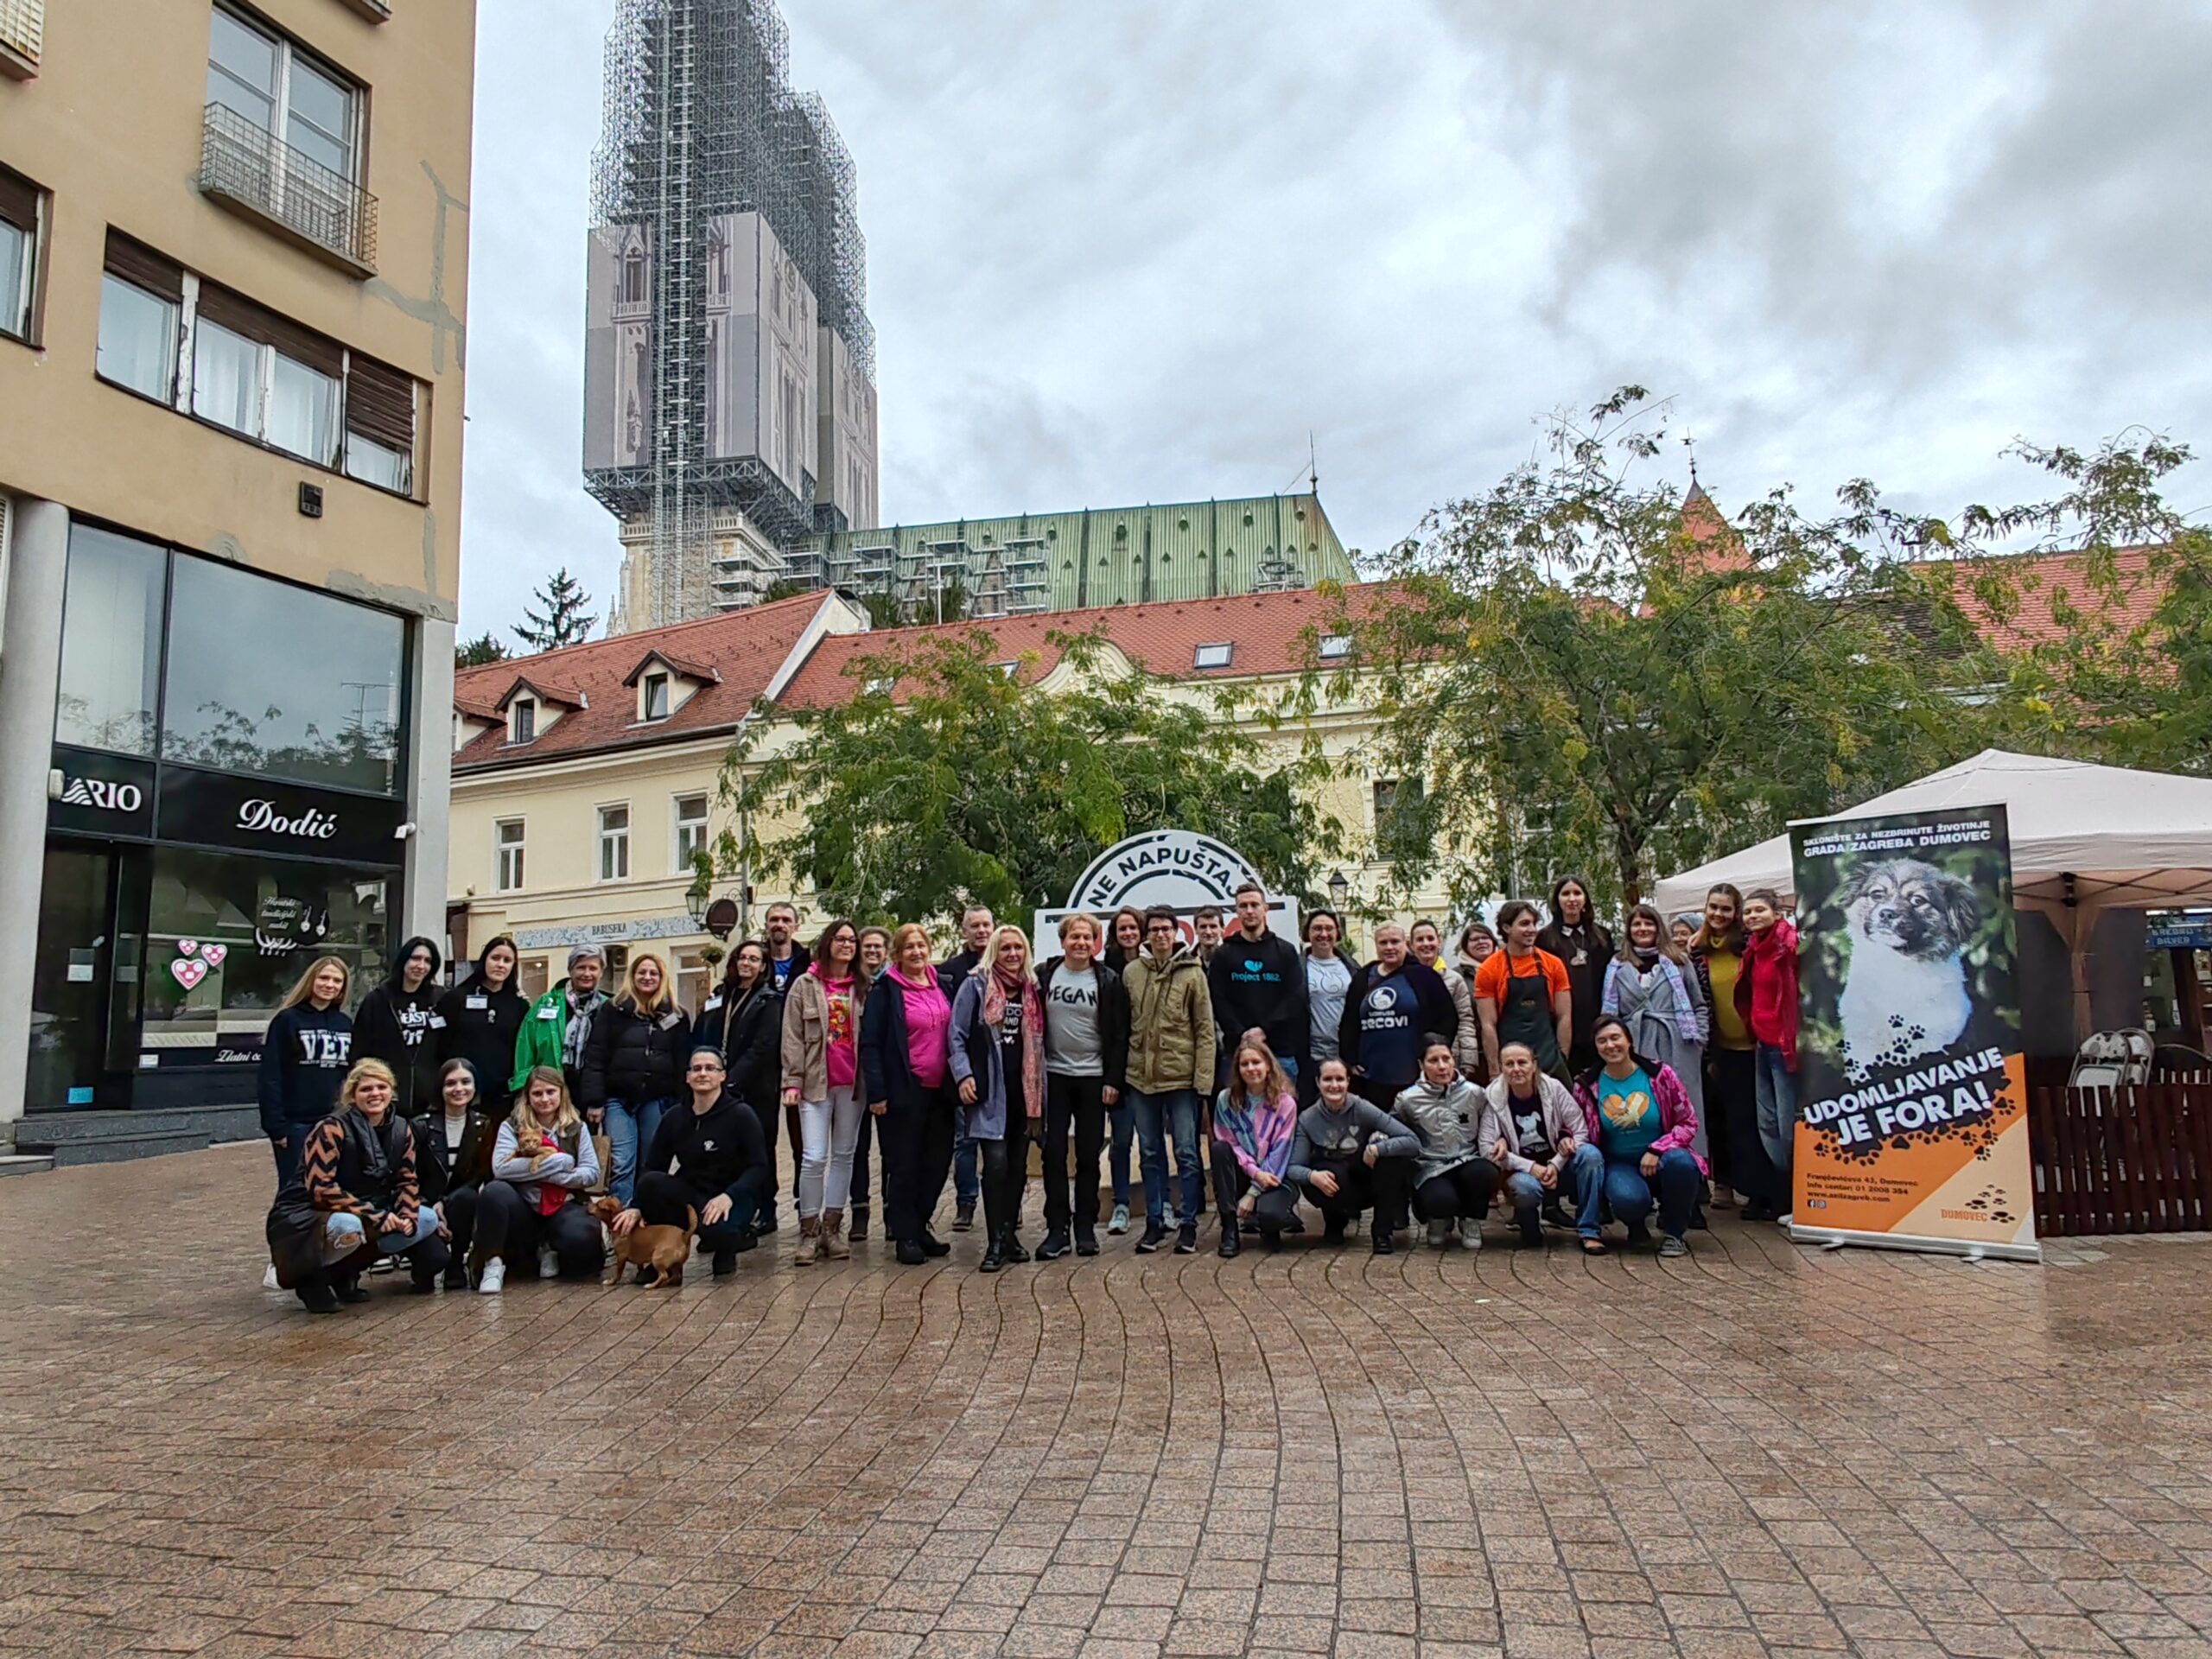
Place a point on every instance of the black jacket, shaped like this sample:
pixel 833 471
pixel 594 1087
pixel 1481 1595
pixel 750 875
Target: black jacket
pixel 748 1031
pixel 394 1026
pixel 1586 978
pixel 441 1169
pixel 484 1036
pixel 886 1069
pixel 632 1058
pixel 719 1151
pixel 1113 1016
pixel 956 968
pixel 1260 982
pixel 802 958
pixel 1439 1014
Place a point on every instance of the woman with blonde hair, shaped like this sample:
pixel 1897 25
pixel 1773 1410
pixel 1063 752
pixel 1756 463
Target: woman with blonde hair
pixel 304 1055
pixel 907 1079
pixel 822 1072
pixel 998 1066
pixel 634 1061
pixel 355 1198
pixel 542 1165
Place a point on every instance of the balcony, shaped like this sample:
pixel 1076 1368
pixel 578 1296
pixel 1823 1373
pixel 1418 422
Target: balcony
pixel 21 24
pixel 376 11
pixel 255 173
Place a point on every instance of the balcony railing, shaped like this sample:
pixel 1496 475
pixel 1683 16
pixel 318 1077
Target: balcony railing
pixel 21 24
pixel 247 168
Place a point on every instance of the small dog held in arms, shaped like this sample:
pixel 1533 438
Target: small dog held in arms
pixel 665 1250
pixel 1906 996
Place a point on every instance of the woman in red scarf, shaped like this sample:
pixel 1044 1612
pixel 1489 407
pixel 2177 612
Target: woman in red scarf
pixel 998 1064
pixel 1766 995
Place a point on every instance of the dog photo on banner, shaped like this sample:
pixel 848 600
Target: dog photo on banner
pixel 1913 1129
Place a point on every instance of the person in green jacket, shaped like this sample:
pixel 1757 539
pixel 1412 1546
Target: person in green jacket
pixel 553 1030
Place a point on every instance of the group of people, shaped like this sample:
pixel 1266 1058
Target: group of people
pixel 1578 1081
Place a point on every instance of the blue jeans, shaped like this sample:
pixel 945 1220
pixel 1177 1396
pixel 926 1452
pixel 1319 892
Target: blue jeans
pixel 1121 1134
pixel 1174 1112
pixel 1584 1174
pixel 1777 1098
pixel 1630 1194
pixel 967 1179
pixel 630 1131
pixel 343 1234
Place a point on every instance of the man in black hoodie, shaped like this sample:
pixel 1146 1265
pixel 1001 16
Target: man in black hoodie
pixel 1258 981
pixel 708 1156
pixel 394 1026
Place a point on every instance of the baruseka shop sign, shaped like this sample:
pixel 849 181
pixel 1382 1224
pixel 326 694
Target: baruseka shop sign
pixel 258 815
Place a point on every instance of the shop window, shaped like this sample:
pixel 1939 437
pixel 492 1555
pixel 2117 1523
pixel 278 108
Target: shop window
pixel 227 936
pixel 508 835
pixel 266 677
pixel 111 642
pixel 614 843
pixel 694 977
pixel 535 976
pixel 691 830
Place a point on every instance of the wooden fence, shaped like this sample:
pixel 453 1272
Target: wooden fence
pixel 2127 1160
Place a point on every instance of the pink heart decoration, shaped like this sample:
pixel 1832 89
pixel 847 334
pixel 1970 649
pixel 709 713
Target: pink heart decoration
pixel 187 947
pixel 188 973
pixel 213 955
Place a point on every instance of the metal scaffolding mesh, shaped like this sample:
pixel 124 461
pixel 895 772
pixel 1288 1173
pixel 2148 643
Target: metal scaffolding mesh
pixel 699 119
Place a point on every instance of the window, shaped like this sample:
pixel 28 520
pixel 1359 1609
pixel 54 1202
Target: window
pixel 694 978
pixel 522 715
pixel 1398 817
pixel 614 843
pixel 653 696
pixel 506 836
pixel 1213 656
pixel 266 677
pixel 111 642
pixel 137 346
pixel 279 89
pixel 690 829
pixel 380 406
pixel 19 221
pixel 264 378
pixel 1335 646
pixel 534 977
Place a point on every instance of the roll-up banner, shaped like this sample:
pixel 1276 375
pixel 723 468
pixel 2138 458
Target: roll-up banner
pixel 1912 1095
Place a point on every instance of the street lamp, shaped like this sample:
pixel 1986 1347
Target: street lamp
pixel 1338 887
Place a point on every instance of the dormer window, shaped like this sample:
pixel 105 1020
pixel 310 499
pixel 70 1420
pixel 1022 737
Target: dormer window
pixel 653 697
pixel 1213 656
pixel 1335 647
pixel 522 720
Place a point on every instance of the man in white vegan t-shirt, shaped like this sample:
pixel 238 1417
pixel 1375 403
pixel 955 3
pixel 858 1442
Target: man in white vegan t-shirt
pixel 1086 1052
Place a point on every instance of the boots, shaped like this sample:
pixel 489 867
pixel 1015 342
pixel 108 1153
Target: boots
pixel 810 1240
pixel 833 1247
pixel 859 1223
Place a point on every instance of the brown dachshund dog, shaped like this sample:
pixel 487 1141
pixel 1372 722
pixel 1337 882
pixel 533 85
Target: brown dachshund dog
pixel 665 1250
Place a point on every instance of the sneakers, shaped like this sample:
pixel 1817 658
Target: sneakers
pixel 1119 1225
pixel 1673 1246
pixel 268 1279
pixel 1154 1237
pixel 1555 1215
pixel 911 1254
pixel 1470 1234
pixel 963 1217
pixel 1440 1233
pixel 1382 1245
pixel 1055 1245
pixel 493 1279
pixel 1086 1242
pixel 1784 1219
pixel 1186 1239
pixel 548 1264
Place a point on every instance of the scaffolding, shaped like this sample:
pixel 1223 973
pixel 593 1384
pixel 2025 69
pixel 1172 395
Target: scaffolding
pixel 700 120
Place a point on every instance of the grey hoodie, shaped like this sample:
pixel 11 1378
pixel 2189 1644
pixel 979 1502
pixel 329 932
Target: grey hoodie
pixel 1325 1136
pixel 1447 1119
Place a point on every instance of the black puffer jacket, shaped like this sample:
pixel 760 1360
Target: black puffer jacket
pixel 632 1057
pixel 748 1030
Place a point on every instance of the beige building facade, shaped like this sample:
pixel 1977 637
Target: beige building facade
pixel 585 779
pixel 233 279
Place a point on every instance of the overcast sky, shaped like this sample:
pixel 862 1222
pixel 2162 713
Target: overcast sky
pixel 1137 252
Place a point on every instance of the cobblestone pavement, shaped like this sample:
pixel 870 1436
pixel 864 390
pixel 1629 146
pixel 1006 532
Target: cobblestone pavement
pixel 1758 1450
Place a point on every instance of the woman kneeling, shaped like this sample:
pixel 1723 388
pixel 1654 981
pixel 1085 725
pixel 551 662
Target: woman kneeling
pixel 353 1198
pixel 1641 1121
pixel 1452 1181
pixel 1254 1121
pixel 542 1165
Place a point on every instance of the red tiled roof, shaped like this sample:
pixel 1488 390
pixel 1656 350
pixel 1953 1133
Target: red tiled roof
pixel 475 708
pixel 746 647
pixel 2043 578
pixel 689 667
pixel 1265 630
pixel 557 691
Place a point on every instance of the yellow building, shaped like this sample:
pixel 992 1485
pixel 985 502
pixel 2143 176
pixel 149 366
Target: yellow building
pixel 584 778
pixel 234 273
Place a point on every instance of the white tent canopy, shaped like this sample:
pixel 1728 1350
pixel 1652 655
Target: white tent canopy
pixel 2117 839
pixel 2085 839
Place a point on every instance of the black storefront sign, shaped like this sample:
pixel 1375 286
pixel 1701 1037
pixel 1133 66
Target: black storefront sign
pixel 101 794
pixel 259 815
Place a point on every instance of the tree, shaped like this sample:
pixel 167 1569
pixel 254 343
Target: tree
pixel 559 614
pixel 475 653
pixel 1588 673
pixel 947 781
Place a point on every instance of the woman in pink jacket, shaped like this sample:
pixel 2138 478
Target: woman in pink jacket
pixel 1640 1119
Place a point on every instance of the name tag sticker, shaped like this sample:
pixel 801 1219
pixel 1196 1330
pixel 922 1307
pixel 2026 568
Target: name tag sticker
pixel 478 1004
pixel 549 1014
pixel 437 1022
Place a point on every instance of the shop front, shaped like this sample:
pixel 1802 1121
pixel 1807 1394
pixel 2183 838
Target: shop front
pixel 225 804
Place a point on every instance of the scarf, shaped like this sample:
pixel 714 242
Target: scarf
pixel 996 985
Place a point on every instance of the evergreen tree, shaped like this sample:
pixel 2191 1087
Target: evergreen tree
pixel 560 615
pixel 474 653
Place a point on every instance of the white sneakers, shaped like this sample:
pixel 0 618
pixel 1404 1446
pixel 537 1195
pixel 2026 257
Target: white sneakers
pixel 1470 1234
pixel 268 1279
pixel 1121 1222
pixel 1439 1232
pixel 493 1279
pixel 548 1263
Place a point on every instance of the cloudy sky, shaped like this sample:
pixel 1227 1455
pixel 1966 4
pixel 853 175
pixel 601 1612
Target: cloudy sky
pixel 1139 252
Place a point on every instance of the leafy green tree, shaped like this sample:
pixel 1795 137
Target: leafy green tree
pixel 475 653
pixel 1588 673
pixel 946 781
pixel 559 614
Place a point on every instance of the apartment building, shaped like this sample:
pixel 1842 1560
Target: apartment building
pixel 234 281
